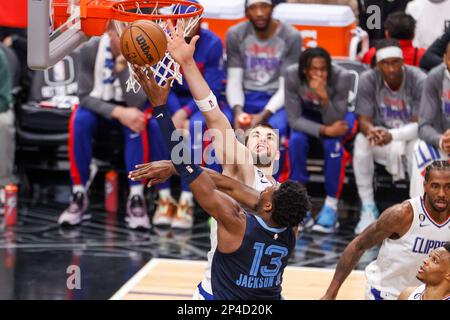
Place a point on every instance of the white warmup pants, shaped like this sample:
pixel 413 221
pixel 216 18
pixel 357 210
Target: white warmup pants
pixel 364 158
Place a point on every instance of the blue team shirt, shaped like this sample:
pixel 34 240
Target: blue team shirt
pixel 208 56
pixel 255 270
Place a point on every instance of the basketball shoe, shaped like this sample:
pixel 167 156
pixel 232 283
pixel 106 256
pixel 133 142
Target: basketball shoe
pixel 77 210
pixel 165 212
pixel 137 216
pixel 307 222
pixel 369 214
pixel 327 220
pixel 184 217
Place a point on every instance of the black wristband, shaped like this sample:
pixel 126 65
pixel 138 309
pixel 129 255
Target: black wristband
pixel 187 171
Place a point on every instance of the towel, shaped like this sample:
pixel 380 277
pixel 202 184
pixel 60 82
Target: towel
pixel 106 84
pixel 396 160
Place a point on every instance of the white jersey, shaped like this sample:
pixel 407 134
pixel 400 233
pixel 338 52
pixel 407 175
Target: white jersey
pixel 260 182
pixel 418 294
pixel 398 260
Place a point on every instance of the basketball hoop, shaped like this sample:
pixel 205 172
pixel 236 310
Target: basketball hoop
pixel 95 15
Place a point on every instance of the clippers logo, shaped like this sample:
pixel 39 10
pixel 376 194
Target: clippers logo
pixel 144 46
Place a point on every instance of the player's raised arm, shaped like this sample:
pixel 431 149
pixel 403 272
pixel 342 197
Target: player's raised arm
pixel 228 149
pixel 393 223
pixel 217 204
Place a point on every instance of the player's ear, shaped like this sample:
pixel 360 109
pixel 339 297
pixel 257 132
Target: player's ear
pixel 268 206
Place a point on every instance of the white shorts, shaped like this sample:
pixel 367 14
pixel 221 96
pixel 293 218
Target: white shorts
pixel 201 294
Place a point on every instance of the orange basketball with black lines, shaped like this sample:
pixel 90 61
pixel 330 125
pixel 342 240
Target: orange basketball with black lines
pixel 143 42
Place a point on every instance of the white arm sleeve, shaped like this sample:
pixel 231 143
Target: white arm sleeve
pixel 235 90
pixel 405 133
pixel 277 101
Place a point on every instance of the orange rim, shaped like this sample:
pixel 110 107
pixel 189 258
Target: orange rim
pixel 95 14
pixel 119 10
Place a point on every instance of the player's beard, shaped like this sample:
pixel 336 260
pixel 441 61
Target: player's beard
pixel 262 160
pixel 264 28
pixel 431 203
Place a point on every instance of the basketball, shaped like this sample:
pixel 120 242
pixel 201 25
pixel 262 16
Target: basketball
pixel 143 42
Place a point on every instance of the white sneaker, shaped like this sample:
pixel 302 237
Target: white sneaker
pixel 137 216
pixel 164 213
pixel 307 222
pixel 184 218
pixel 77 210
pixel 369 214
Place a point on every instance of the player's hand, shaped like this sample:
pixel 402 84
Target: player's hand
pixel 382 136
pixel 319 86
pixel 181 51
pixel 261 117
pixel 180 118
pixel 337 129
pixel 445 141
pixel 157 172
pixel 156 94
pixel 130 117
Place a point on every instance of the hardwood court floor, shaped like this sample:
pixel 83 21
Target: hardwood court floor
pixel 170 279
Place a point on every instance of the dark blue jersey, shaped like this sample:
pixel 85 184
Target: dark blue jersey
pixel 255 270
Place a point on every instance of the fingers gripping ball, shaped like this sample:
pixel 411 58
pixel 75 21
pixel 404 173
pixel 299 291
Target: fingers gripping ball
pixel 143 42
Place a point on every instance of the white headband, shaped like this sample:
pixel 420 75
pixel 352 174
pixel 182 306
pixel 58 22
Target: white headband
pixel 252 2
pixel 389 52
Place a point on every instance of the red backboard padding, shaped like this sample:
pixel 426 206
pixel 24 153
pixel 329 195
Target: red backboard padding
pixel 13 13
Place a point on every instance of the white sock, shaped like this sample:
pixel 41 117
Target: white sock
pixel 137 190
pixel 187 197
pixel 78 188
pixel 367 198
pixel 331 202
pixel 164 194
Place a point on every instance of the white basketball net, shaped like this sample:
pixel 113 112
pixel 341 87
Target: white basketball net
pixel 166 67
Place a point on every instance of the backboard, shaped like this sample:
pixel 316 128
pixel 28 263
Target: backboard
pixel 49 42
pixel 57 27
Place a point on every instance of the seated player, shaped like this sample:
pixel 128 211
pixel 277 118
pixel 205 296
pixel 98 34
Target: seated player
pixel 208 57
pixel 316 104
pixel 258 52
pixel 434 123
pixel 435 275
pixel 253 246
pixel 399 26
pixel 387 104
pixel 105 104
pixel 407 232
